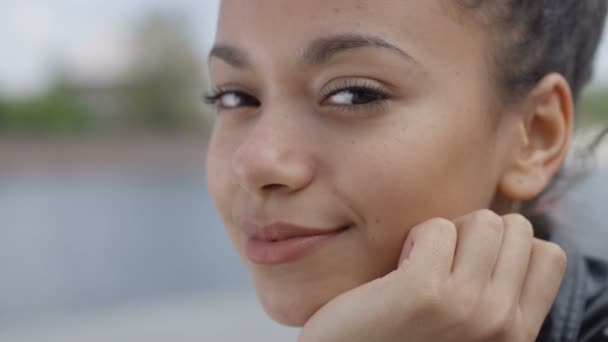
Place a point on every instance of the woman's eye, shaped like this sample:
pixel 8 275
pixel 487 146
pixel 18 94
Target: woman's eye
pixel 232 99
pixel 355 96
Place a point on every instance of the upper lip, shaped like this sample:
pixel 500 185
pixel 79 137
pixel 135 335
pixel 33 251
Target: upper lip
pixel 277 231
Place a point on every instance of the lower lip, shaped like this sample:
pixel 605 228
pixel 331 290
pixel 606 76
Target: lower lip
pixel 279 252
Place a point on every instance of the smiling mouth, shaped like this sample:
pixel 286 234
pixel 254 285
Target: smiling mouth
pixel 280 243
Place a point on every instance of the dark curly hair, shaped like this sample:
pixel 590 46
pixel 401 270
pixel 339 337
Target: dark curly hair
pixel 538 37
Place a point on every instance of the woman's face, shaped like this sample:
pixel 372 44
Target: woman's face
pixel 363 118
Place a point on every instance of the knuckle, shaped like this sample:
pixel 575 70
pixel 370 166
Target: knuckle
pixel 556 255
pixel 485 215
pixel 433 222
pixel 519 222
pixel 441 223
pixel 443 226
pixel 486 218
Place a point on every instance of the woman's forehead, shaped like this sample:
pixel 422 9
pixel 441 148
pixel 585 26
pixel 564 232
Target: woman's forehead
pixel 272 30
pixel 316 16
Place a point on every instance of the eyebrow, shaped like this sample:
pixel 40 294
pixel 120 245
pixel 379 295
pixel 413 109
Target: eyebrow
pixel 318 52
pixel 323 49
pixel 231 55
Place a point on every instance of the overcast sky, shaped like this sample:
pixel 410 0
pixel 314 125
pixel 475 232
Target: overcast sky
pixel 92 36
pixel 89 35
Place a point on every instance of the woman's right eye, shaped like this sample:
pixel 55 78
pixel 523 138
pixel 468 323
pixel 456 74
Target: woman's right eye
pixel 231 99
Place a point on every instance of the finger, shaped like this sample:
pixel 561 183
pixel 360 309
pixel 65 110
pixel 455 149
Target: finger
pixel 513 258
pixel 432 245
pixel 545 272
pixel 479 241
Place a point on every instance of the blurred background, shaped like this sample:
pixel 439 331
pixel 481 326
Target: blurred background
pixel 107 232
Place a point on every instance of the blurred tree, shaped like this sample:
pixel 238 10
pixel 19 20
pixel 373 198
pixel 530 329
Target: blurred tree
pixel 160 93
pixel 56 112
pixel 164 84
pixel 594 107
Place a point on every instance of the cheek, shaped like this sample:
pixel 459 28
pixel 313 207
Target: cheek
pixel 391 196
pixel 403 181
pixel 219 183
pixel 222 186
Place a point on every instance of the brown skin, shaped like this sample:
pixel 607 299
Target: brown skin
pixel 440 145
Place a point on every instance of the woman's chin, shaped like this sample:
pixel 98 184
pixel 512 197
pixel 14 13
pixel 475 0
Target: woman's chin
pixel 292 309
pixel 292 293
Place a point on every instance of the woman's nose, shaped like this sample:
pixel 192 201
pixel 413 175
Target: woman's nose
pixel 273 160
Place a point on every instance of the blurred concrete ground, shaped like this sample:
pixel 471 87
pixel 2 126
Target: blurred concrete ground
pixel 221 317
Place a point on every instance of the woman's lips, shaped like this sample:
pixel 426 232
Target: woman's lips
pixel 279 243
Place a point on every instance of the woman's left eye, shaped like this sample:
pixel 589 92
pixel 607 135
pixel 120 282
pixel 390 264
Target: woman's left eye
pixel 355 96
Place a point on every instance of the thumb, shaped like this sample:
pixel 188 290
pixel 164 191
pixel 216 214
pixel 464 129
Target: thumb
pixel 430 246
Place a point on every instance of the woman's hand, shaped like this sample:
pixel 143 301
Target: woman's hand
pixel 480 278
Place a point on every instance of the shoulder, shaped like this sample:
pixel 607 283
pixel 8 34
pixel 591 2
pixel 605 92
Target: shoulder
pixel 580 311
pixel 594 325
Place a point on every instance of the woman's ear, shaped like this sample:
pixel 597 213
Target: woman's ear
pixel 544 131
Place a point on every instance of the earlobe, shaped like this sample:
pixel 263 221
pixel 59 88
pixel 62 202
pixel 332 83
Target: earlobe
pixel 544 130
pixel 523 185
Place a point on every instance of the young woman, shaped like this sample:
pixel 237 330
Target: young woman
pixel 372 161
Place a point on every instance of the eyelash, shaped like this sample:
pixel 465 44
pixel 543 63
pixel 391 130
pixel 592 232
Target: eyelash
pixel 358 86
pixel 216 95
pixel 355 86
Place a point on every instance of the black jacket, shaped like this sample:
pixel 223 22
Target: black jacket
pixel 580 311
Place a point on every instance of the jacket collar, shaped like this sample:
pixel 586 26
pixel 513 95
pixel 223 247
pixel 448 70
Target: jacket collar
pixel 566 316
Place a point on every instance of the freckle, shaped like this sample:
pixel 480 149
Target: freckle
pixel 336 10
